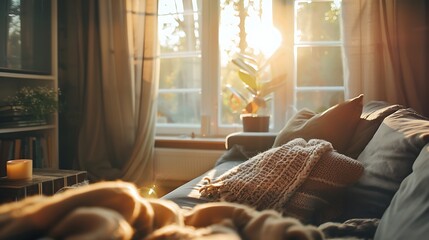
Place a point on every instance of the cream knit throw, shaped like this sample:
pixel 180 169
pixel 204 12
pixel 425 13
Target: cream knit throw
pixel 268 180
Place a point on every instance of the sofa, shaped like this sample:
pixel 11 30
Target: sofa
pixel 354 171
pixel 387 198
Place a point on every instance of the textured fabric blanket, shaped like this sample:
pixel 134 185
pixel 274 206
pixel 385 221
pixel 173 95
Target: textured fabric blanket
pixel 115 210
pixel 270 179
pixel 304 180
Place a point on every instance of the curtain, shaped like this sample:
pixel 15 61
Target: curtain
pixel 142 32
pixel 116 62
pixel 386 51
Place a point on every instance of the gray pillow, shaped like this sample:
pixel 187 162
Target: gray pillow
pixel 387 159
pixel 373 114
pixel 407 216
pixel 293 125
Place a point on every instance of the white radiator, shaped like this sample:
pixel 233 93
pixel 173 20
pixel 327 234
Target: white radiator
pixel 182 165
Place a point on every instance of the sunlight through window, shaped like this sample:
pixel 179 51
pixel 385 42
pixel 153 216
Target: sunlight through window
pixel 198 40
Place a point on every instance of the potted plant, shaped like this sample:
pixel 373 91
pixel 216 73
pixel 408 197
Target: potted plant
pixel 39 103
pixel 258 85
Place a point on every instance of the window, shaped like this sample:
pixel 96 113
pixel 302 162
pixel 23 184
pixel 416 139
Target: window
pixel 319 81
pixel 24 38
pixel 180 86
pixel 198 39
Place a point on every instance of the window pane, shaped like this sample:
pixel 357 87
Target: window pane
pixel 318 21
pixel 319 66
pixel 179 73
pixel 179 108
pixel 177 6
pixel 319 100
pixel 25 30
pixel 179 33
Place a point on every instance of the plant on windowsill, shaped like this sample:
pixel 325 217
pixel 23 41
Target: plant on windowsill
pixel 37 104
pixel 258 85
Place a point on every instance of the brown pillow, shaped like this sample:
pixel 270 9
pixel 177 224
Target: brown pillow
pixel 335 125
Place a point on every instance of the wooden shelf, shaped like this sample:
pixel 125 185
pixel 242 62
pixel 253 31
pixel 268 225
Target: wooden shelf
pixel 27 76
pixel 27 129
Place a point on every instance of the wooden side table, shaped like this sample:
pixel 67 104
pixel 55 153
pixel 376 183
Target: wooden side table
pixel 44 182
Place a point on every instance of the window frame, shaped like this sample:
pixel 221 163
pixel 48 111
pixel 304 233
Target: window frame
pixel 301 44
pixel 285 99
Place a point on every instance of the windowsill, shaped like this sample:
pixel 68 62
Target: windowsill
pixel 184 142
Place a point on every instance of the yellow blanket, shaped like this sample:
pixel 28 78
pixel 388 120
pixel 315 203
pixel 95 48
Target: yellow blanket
pixel 115 210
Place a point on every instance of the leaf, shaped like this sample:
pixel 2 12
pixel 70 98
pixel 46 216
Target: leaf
pixel 239 62
pixel 260 102
pixel 235 103
pixel 236 93
pixel 248 59
pixel 249 80
pixel 251 107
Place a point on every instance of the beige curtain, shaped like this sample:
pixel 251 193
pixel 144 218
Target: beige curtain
pixel 386 50
pixel 116 140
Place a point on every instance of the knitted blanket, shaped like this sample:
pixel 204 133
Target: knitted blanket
pixel 115 210
pixel 270 179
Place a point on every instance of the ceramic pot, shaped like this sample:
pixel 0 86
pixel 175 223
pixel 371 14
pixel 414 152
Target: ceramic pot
pixel 255 123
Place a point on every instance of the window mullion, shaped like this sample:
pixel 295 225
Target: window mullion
pixel 210 66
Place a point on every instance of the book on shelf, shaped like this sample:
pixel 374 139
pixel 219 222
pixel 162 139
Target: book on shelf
pixel 23 123
pixel 17 149
pixel 7 107
pixel 12 116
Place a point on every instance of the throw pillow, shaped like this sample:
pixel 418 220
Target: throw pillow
pixel 372 115
pixel 387 159
pixel 407 217
pixel 293 125
pixel 297 179
pixel 335 125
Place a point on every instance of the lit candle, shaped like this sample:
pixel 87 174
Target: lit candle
pixel 19 169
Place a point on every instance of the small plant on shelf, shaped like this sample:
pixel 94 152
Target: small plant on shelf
pixel 39 102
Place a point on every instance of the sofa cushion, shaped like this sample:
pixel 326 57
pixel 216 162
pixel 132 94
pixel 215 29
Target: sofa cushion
pixel 335 125
pixel 188 196
pixel 407 216
pixel 388 159
pixel 373 114
pixel 251 143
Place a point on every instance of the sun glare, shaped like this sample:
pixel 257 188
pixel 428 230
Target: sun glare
pixel 264 38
